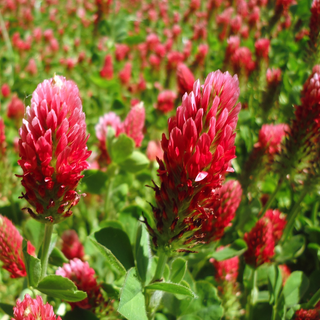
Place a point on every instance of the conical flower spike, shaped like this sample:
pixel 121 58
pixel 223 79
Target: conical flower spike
pixel 197 156
pixel 53 149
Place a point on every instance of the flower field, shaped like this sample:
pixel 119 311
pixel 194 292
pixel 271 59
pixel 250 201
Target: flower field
pixel 160 159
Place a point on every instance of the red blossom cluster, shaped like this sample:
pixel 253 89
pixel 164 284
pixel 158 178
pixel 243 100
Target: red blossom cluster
pixel 303 134
pixel 312 314
pixel 53 149
pixel 15 108
pixel 165 101
pixel 71 245
pixel 226 270
pixel 263 237
pixel 270 138
pixel 229 198
pixel 85 279
pixel 33 309
pixel 197 155
pixel 11 249
pixel 3 144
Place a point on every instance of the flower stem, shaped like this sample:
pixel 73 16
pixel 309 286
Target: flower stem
pixel 160 266
pixel 314 213
pixel 314 300
pixel 271 199
pixel 8 45
pixel 253 295
pixel 292 216
pixel 45 249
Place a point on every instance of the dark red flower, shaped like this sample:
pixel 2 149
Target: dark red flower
pixel 5 90
pixel 185 79
pixel 303 314
pixel 107 70
pixel 196 158
pixel 226 270
pixel 166 100
pixel 71 245
pixel 260 242
pixel 15 108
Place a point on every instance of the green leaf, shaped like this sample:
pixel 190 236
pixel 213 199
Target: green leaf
pixel 134 40
pixel 171 288
pixel 113 262
pixel 295 287
pixel 129 217
pixel 206 306
pixel 132 303
pixel 117 104
pixel 78 313
pixel 7 308
pixel 235 249
pixel 142 252
pixel 121 148
pixel 60 287
pixel 101 82
pixel 33 266
pixel 136 162
pixel 34 232
pixel 275 281
pixel 190 317
pixel 111 223
pixel 57 258
pixel 112 292
pixel 178 270
pixel 291 249
pixel 118 243
pixel 94 181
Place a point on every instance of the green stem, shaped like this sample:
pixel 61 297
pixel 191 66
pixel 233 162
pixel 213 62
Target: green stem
pixel 292 216
pixel 253 294
pixel 45 249
pixel 314 300
pixel 274 311
pixel 314 213
pixel 9 46
pixel 160 266
pixel 271 199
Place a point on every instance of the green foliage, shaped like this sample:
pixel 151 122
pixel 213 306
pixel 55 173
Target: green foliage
pixel 118 243
pixel 78 313
pixel 132 303
pixel 136 162
pixel 178 270
pixel 33 266
pixel 294 288
pixel 94 181
pixel 236 248
pixel 171 288
pixel 60 287
pixel 142 252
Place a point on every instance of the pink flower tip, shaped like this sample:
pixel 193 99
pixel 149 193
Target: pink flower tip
pixel 33 309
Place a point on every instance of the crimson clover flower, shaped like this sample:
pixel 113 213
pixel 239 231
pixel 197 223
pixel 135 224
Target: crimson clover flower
pixel 197 156
pixel 53 149
pixel 11 249
pixel 33 309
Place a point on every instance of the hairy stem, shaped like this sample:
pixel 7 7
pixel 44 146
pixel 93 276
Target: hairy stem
pixel 160 266
pixel 45 249
pixel 292 216
pixel 271 199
